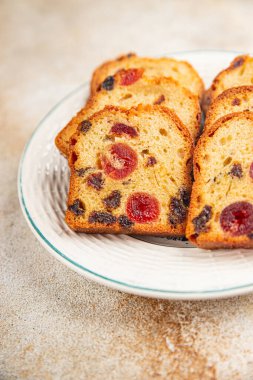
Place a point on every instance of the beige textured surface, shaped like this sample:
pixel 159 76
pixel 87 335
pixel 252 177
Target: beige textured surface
pixel 54 323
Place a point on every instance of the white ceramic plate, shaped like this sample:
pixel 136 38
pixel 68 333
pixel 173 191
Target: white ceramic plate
pixel 154 267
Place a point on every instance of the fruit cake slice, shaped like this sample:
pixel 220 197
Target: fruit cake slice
pixel 239 73
pixel 221 209
pixel 233 100
pixel 164 91
pixel 133 67
pixel 130 173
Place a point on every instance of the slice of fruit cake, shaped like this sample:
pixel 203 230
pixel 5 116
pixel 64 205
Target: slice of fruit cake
pixel 221 208
pixel 130 173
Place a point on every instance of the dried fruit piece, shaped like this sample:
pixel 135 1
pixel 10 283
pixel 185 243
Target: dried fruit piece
pixel 160 100
pixel 178 211
pixel 73 141
pixel 119 161
pixel 120 129
pixel 142 208
pixel 251 171
pixel 108 83
pixel 185 196
pixel 125 222
pixel 84 126
pixel 236 171
pixel 113 200
pixel 73 158
pixel 77 208
pixel 102 217
pixel 201 220
pixel 239 61
pixel 81 172
pixel 237 218
pixel 95 180
pixel 151 161
pixel 130 76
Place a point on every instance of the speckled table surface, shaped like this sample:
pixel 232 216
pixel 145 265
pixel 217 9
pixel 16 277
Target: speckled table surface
pixel 55 324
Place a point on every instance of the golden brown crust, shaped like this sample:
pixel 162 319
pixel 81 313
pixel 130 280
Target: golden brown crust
pixel 213 239
pixel 191 80
pixel 83 225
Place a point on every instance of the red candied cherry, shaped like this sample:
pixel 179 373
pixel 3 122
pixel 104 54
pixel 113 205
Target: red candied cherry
pixel 119 161
pixel 237 218
pixel 130 76
pixel 120 129
pixel 251 171
pixel 142 208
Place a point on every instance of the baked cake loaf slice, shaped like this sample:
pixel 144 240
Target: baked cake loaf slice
pixel 221 208
pixel 130 173
pixel 239 73
pixel 135 66
pixel 164 91
pixel 237 99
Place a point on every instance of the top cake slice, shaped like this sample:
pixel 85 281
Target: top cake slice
pixel 164 91
pixel 130 173
pixel 133 66
pixel 239 73
pixel 221 208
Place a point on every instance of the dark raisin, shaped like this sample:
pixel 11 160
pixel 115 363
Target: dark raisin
pixel 102 217
pixel 177 211
pixel 185 196
pixel 81 172
pixel 108 83
pixel 250 236
pixel 151 161
pixel 160 100
pixel 236 171
pixel 239 61
pixel 77 207
pixel 125 222
pixel 113 200
pixel 236 102
pixel 200 221
pixel 96 181
pixel 84 126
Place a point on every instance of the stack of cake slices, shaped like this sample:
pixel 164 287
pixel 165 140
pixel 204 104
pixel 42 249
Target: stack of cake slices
pixel 130 151
pixel 130 148
pixel 221 210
